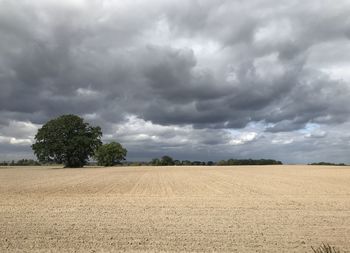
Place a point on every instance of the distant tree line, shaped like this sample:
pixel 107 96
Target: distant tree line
pixel 327 163
pixel 167 160
pixel 249 162
pixel 22 162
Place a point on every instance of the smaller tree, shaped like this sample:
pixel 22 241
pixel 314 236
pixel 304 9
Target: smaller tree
pixel 110 154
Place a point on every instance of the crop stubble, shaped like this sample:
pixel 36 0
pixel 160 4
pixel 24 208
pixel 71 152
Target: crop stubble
pixel 233 209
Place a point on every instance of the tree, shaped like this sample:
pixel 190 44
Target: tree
pixel 167 160
pixel 210 163
pixel 110 154
pixel 67 140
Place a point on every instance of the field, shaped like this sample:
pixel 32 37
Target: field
pixel 223 209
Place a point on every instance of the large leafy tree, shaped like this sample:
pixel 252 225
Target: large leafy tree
pixel 67 140
pixel 110 154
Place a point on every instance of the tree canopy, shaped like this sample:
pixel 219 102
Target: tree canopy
pixel 67 140
pixel 167 160
pixel 110 154
pixel 164 161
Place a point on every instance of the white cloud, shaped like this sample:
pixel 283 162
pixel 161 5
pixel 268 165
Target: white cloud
pixel 243 138
pixel 282 141
pixel 86 92
pixel 15 141
pixel 19 129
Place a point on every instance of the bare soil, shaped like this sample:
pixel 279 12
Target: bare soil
pixel 222 209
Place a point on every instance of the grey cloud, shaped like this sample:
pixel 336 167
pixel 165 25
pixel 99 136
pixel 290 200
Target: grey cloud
pixel 213 66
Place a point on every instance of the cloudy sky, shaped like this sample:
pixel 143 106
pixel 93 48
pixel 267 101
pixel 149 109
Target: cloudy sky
pixel 194 79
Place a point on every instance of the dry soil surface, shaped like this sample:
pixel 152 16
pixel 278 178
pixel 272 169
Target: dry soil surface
pixel 222 209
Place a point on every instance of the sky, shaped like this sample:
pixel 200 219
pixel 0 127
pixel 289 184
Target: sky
pixel 198 80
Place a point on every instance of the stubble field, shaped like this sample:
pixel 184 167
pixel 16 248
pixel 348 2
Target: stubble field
pixel 222 209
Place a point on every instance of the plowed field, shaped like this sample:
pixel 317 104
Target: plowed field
pixel 222 209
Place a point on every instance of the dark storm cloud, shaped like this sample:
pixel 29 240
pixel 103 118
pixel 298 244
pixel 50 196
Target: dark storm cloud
pixel 208 66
